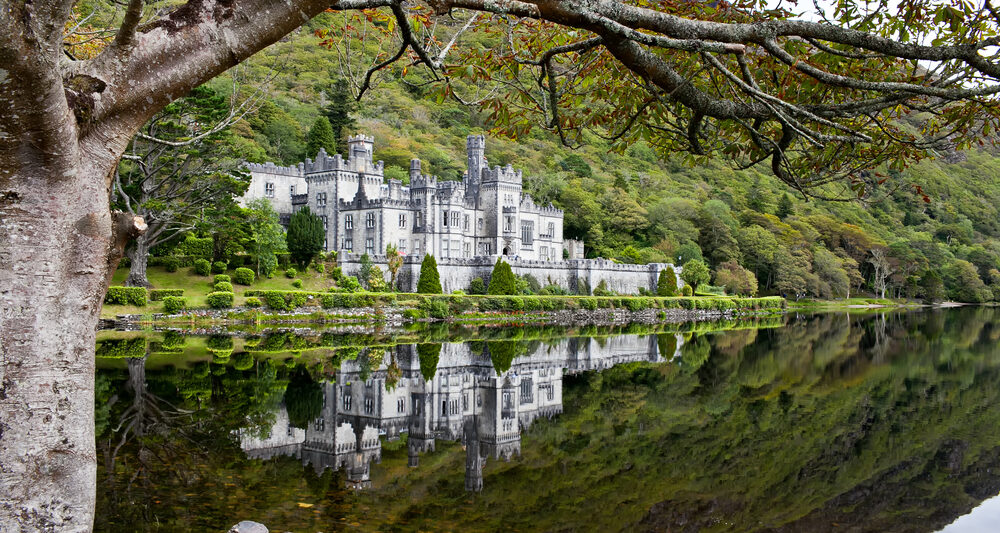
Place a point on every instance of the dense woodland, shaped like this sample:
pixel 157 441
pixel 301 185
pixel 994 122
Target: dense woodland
pixel 931 231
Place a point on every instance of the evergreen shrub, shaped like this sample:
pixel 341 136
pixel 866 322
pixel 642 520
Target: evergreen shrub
pixel 223 286
pixel 174 304
pixel 222 277
pixel 243 276
pixel 202 267
pixel 253 302
pixel 156 295
pixel 220 300
pixel 218 267
pixel 126 296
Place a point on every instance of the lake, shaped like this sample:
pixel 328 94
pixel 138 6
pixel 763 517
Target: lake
pixel 820 422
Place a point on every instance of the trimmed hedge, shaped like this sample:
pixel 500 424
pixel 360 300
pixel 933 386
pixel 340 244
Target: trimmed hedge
pixel 202 267
pixel 220 300
pixel 221 277
pixel 174 304
pixel 126 296
pixel 218 267
pixel 243 276
pixel 223 286
pixel 156 295
pixel 253 302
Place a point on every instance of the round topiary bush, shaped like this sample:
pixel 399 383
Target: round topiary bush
pixel 171 263
pixel 686 290
pixel 220 300
pixel 202 267
pixel 223 286
pixel 218 267
pixel 243 276
pixel 253 302
pixel 290 273
pixel 221 277
pixel 297 284
pixel 174 304
pixel 242 361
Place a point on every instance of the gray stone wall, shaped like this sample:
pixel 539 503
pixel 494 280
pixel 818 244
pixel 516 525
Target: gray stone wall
pixel 578 276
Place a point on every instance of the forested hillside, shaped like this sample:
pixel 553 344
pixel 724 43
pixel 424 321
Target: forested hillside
pixel 932 231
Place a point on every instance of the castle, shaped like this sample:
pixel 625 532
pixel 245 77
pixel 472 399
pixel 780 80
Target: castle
pixel 485 214
pixel 467 400
pixel 465 224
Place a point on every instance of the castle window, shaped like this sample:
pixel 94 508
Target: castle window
pixel 416 246
pixel 508 224
pixel 418 219
pixel 291 190
pixel 402 220
pixel 370 246
pixel 348 244
pixel 456 246
pixel 325 221
pixel 480 224
pixel 527 394
pixel 402 246
pixel 444 219
pixel 370 220
pixel 527 233
pixel 454 219
pixel 319 424
pixel 467 249
pixel 347 401
pixel 369 405
pixel 269 189
pixel 543 253
pixel 445 248
pixel 465 222
pixel 348 221
pixel 552 230
pixel 321 199
pixel 400 405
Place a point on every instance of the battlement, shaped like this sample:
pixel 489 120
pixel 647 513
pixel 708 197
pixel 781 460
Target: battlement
pixel 423 181
pixel 361 137
pixel 505 174
pixel 271 168
pixel 323 163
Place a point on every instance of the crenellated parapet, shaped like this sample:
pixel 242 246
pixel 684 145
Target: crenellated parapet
pixel 505 174
pixel 271 168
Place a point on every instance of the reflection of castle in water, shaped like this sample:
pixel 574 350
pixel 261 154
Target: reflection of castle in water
pixel 465 400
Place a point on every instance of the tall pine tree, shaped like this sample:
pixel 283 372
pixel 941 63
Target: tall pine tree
pixel 666 284
pixel 430 281
pixel 305 237
pixel 502 280
pixel 321 136
pixel 785 207
pixel 338 112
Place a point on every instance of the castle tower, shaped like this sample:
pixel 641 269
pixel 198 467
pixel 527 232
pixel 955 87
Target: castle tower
pixel 361 147
pixel 475 148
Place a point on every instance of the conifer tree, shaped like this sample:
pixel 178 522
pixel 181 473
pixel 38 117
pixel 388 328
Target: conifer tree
pixel 785 207
pixel 305 237
pixel 502 280
pixel 430 281
pixel 666 284
pixel 321 136
pixel 338 112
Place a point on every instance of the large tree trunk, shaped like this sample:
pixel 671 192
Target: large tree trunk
pixel 58 246
pixel 138 256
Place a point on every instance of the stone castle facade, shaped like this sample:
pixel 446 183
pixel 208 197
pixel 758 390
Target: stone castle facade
pixel 483 215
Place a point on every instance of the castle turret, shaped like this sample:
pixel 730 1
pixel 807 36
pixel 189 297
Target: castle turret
pixel 475 146
pixel 414 169
pixel 359 151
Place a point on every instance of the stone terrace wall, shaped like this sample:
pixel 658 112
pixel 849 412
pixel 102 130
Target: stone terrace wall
pixel 579 276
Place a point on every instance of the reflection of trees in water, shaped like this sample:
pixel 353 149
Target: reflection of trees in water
pixel 882 422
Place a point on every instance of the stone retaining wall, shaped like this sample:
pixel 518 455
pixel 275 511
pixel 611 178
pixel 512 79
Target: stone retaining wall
pixel 578 276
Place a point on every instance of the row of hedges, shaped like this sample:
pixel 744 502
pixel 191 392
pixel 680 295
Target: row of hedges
pixel 435 305
pixel 126 296
pixel 156 295
pixel 290 300
pixel 173 262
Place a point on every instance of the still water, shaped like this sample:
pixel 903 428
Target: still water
pixel 827 422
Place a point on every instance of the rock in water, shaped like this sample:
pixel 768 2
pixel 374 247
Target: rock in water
pixel 248 526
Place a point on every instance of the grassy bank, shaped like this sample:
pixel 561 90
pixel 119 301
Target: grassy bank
pixel 809 304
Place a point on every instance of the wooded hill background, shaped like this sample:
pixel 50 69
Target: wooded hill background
pixel 638 206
